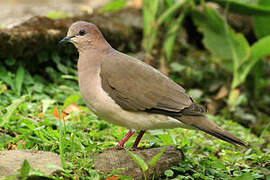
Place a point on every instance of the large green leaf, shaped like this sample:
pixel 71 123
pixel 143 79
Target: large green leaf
pixel 221 40
pixel 261 23
pixel 248 7
pixel 258 51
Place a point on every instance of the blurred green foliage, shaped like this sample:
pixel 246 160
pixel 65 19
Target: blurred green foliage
pixel 231 50
pixel 28 101
pixel 57 15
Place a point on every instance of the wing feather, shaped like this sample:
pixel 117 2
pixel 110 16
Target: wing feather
pixel 136 86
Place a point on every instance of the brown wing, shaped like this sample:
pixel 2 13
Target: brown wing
pixel 137 86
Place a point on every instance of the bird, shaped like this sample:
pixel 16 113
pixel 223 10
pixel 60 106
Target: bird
pixel 127 92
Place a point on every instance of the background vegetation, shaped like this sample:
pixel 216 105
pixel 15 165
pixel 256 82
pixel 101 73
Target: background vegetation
pixel 192 42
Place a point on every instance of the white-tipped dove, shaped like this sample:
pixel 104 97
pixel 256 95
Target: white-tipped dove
pixel 127 92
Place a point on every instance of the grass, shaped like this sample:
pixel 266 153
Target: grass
pixel 29 120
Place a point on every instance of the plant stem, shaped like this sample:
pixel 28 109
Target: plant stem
pixel 170 11
pixel 61 139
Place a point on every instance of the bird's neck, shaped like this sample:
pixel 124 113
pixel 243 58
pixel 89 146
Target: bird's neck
pixel 90 59
pixel 89 67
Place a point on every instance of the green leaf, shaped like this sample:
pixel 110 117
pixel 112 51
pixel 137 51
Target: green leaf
pixel 156 158
pixel 10 109
pixel 19 79
pixel 113 6
pixel 25 169
pixel 166 139
pixel 258 51
pixel 10 61
pixel 57 15
pixel 70 77
pixel 246 176
pixel 138 160
pixel 221 40
pixel 46 104
pixel 172 30
pixel 176 67
pixel 248 7
pixel 63 69
pixel 170 11
pixel 195 93
pixel 168 173
pixel 150 9
pixel 261 23
pixel 72 99
pixel 53 166
pixel 4 76
pixel 232 48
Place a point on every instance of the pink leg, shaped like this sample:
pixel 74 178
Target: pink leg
pixel 139 137
pixel 120 145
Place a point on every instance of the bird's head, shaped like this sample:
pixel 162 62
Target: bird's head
pixel 83 35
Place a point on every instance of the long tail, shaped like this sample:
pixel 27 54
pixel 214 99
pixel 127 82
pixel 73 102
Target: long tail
pixel 204 124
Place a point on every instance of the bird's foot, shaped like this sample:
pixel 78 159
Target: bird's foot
pixel 116 148
pixel 137 148
pixel 126 148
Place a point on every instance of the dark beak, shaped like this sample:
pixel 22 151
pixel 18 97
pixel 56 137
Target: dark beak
pixel 65 39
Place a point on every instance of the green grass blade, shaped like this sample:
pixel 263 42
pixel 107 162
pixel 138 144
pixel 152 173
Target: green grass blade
pixel 171 34
pixel 170 11
pixel 10 110
pixel 138 160
pixel 62 138
pixel 19 79
pixel 156 158
pixel 25 169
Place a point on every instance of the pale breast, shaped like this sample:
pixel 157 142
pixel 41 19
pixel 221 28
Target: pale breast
pixel 103 106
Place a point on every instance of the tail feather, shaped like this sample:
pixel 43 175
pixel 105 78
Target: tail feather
pixel 209 127
pixel 225 136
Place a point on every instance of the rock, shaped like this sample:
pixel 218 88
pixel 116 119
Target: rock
pixel 38 34
pixel 11 161
pixel 112 159
pixel 17 11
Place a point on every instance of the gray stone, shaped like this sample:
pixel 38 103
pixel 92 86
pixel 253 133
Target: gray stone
pixel 11 161
pixel 113 159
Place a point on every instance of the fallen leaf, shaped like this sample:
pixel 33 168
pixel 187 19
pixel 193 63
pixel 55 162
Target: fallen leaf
pixel 136 4
pixel 72 108
pixel 212 107
pixel 223 92
pixel 112 178
pixel 56 114
pixel 4 88
pixel 12 146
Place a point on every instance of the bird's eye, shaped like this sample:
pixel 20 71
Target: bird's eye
pixel 82 32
